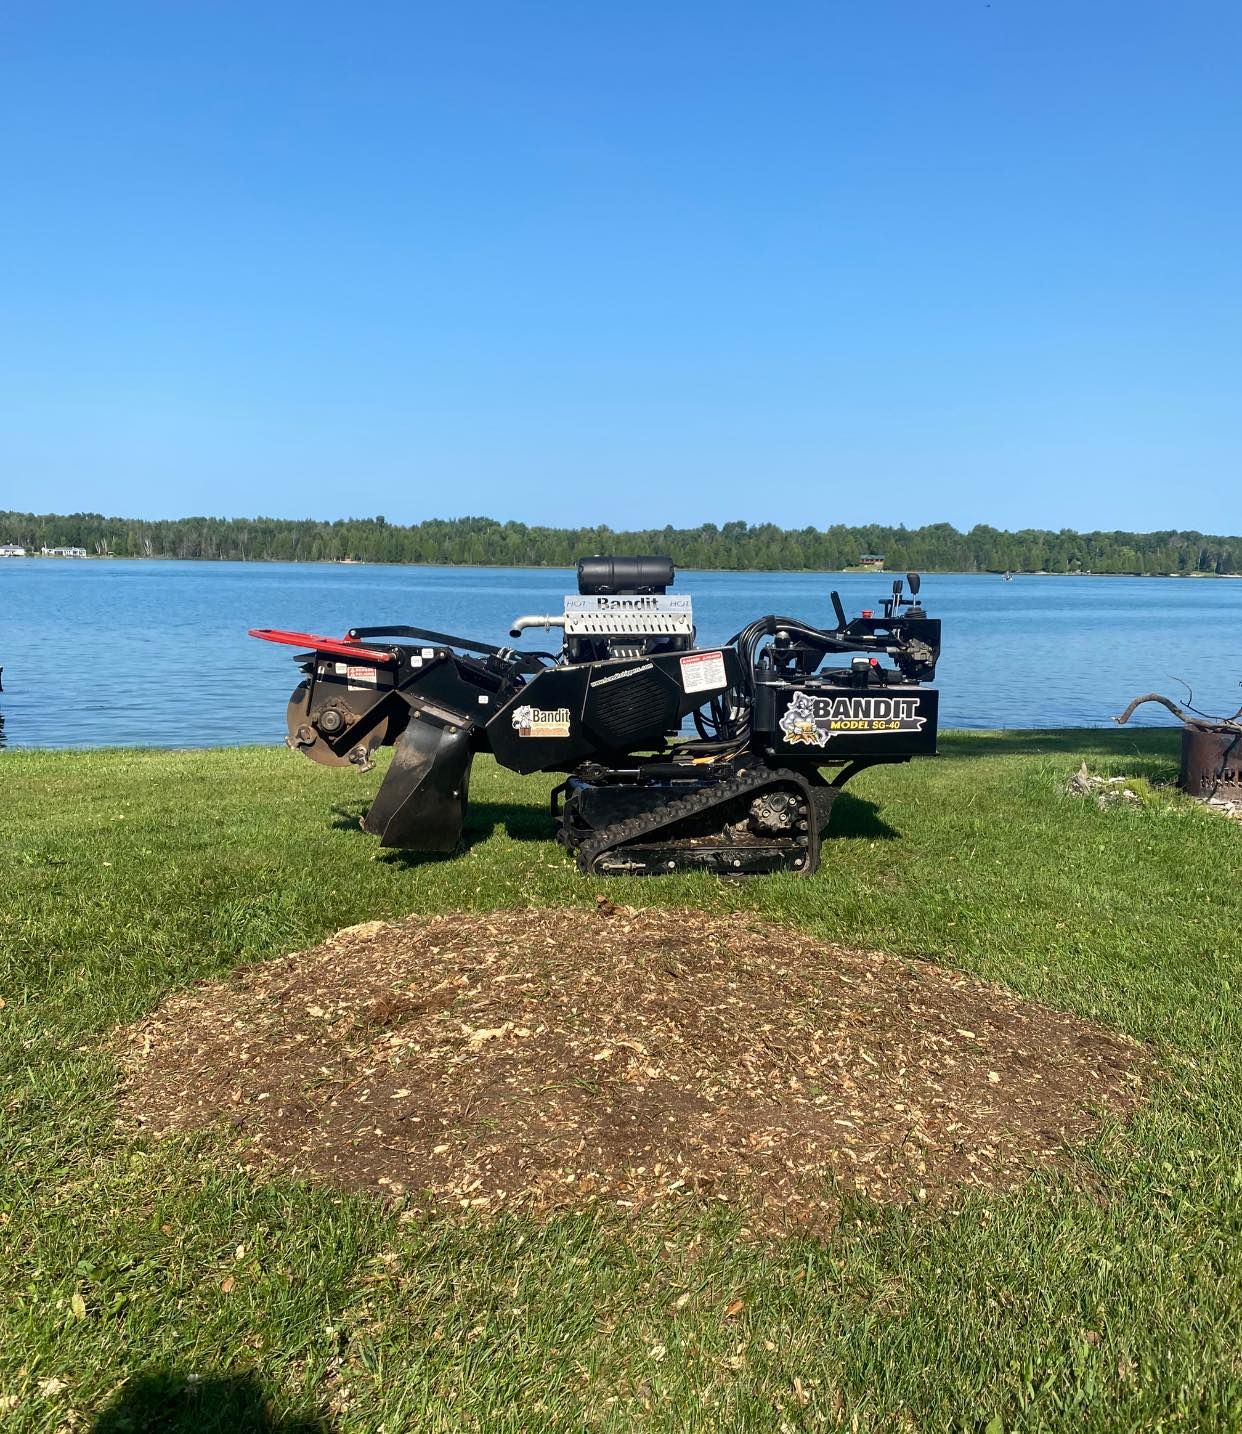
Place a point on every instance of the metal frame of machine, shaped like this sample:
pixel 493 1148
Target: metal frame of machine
pixel 784 714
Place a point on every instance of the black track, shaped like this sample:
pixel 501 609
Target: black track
pixel 622 849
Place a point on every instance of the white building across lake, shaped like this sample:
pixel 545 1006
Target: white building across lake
pixel 11 550
pixel 64 552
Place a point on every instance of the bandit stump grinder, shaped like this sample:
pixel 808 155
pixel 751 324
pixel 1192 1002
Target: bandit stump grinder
pixel 783 715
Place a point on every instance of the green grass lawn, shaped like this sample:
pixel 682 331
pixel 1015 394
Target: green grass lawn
pixel 158 1276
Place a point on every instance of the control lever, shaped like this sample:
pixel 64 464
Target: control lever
pixel 894 605
pixel 838 609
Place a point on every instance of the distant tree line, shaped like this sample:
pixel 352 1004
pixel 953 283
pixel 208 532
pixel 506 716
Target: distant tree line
pixel 763 546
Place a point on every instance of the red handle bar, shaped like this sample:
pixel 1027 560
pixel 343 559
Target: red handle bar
pixel 338 646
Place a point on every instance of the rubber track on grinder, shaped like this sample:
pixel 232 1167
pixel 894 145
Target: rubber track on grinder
pixel 798 853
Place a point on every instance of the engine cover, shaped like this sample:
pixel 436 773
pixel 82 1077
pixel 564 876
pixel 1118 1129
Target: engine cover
pixel 611 708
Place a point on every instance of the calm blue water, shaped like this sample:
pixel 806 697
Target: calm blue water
pixel 156 654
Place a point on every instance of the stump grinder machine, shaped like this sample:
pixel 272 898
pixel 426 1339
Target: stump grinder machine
pixel 783 715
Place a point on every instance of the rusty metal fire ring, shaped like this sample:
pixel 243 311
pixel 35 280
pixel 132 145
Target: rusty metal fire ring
pixel 1212 763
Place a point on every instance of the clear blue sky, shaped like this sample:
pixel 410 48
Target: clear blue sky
pixel 625 263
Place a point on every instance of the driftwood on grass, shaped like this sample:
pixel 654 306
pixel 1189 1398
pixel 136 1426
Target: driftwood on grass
pixel 1199 722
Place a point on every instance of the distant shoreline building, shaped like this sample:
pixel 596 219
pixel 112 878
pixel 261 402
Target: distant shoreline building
pixel 64 552
pixel 871 560
pixel 11 550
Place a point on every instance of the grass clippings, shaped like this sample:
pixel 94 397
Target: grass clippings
pixel 551 1059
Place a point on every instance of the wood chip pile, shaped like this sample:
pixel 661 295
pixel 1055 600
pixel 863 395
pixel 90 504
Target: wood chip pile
pixel 552 1059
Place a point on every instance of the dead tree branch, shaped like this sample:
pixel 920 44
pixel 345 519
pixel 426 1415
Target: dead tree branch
pixel 1202 724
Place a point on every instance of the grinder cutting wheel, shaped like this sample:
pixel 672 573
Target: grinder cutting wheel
pixel 784 715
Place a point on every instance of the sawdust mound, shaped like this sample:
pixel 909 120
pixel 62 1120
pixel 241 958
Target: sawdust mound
pixel 547 1059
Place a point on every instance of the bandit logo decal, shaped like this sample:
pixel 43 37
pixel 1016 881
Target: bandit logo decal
pixel 541 721
pixel 814 721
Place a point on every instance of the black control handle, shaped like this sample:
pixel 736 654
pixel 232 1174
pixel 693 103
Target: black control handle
pixel 838 609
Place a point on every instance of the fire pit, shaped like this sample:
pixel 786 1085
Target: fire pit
pixel 1212 763
pixel 1211 751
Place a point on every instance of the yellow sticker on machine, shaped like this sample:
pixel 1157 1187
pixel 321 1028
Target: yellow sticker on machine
pixel 814 721
pixel 541 721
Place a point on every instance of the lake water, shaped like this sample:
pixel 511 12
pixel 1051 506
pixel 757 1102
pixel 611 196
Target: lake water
pixel 155 653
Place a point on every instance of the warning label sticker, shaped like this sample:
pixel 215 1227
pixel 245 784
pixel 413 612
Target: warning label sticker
pixel 362 676
pixel 703 671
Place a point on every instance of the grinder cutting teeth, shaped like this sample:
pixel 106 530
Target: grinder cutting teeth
pixel 784 715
